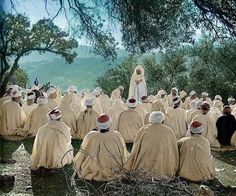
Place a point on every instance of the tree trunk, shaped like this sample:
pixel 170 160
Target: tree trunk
pixel 4 83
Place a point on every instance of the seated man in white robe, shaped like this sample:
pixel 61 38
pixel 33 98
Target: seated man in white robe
pixel 52 147
pixel 173 93
pixel 196 112
pixel 205 97
pixel 114 112
pixel 7 95
pixel 196 162
pixel 176 118
pixel 75 100
pixel 155 149
pixel 210 129
pixel 231 102
pixel 37 117
pixel 183 96
pixel 52 95
pixel 138 87
pixel 12 115
pixel 29 105
pixel 117 93
pixel 129 122
pixel 217 102
pixel 87 119
pixel 102 153
pixel 68 114
pixel 192 96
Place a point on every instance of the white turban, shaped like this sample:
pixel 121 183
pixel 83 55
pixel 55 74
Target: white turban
pixel 176 100
pixel 16 93
pixel 132 103
pixel 156 117
pixel 205 94
pixel 218 97
pixel 231 99
pixel 42 101
pixel 55 114
pixel 72 89
pixel 51 90
pixel 103 121
pixel 161 92
pixel 89 102
pixel 196 127
pixel 192 93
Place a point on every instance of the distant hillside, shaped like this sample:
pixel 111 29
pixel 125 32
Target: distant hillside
pixel 82 73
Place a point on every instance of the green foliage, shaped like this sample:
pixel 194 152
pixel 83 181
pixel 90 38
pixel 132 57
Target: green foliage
pixel 168 72
pixel 205 66
pixel 18 39
pixel 22 77
pixel 117 76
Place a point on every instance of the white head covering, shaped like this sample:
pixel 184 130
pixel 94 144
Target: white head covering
pixel 156 117
pixel 16 93
pixel 198 104
pixel 55 114
pixel 182 94
pixel 205 94
pixel 31 96
pixel 14 87
pixel 132 103
pixel 51 90
pixel 161 92
pixel 231 99
pixel 139 67
pixel 89 102
pixel 42 100
pixel 34 87
pixel 218 97
pixel 72 89
pixel 192 93
pixel 120 87
pixel 176 100
pixel 103 121
pixel 196 127
pixel 175 88
pixel 151 98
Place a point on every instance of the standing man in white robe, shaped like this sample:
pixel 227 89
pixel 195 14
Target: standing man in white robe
pixel 138 87
pixel 173 93
pixel 52 95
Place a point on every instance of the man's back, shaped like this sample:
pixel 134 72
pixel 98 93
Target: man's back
pixel 128 124
pixel 196 162
pixel 155 149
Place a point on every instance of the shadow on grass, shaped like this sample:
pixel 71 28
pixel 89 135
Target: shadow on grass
pixel 228 157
